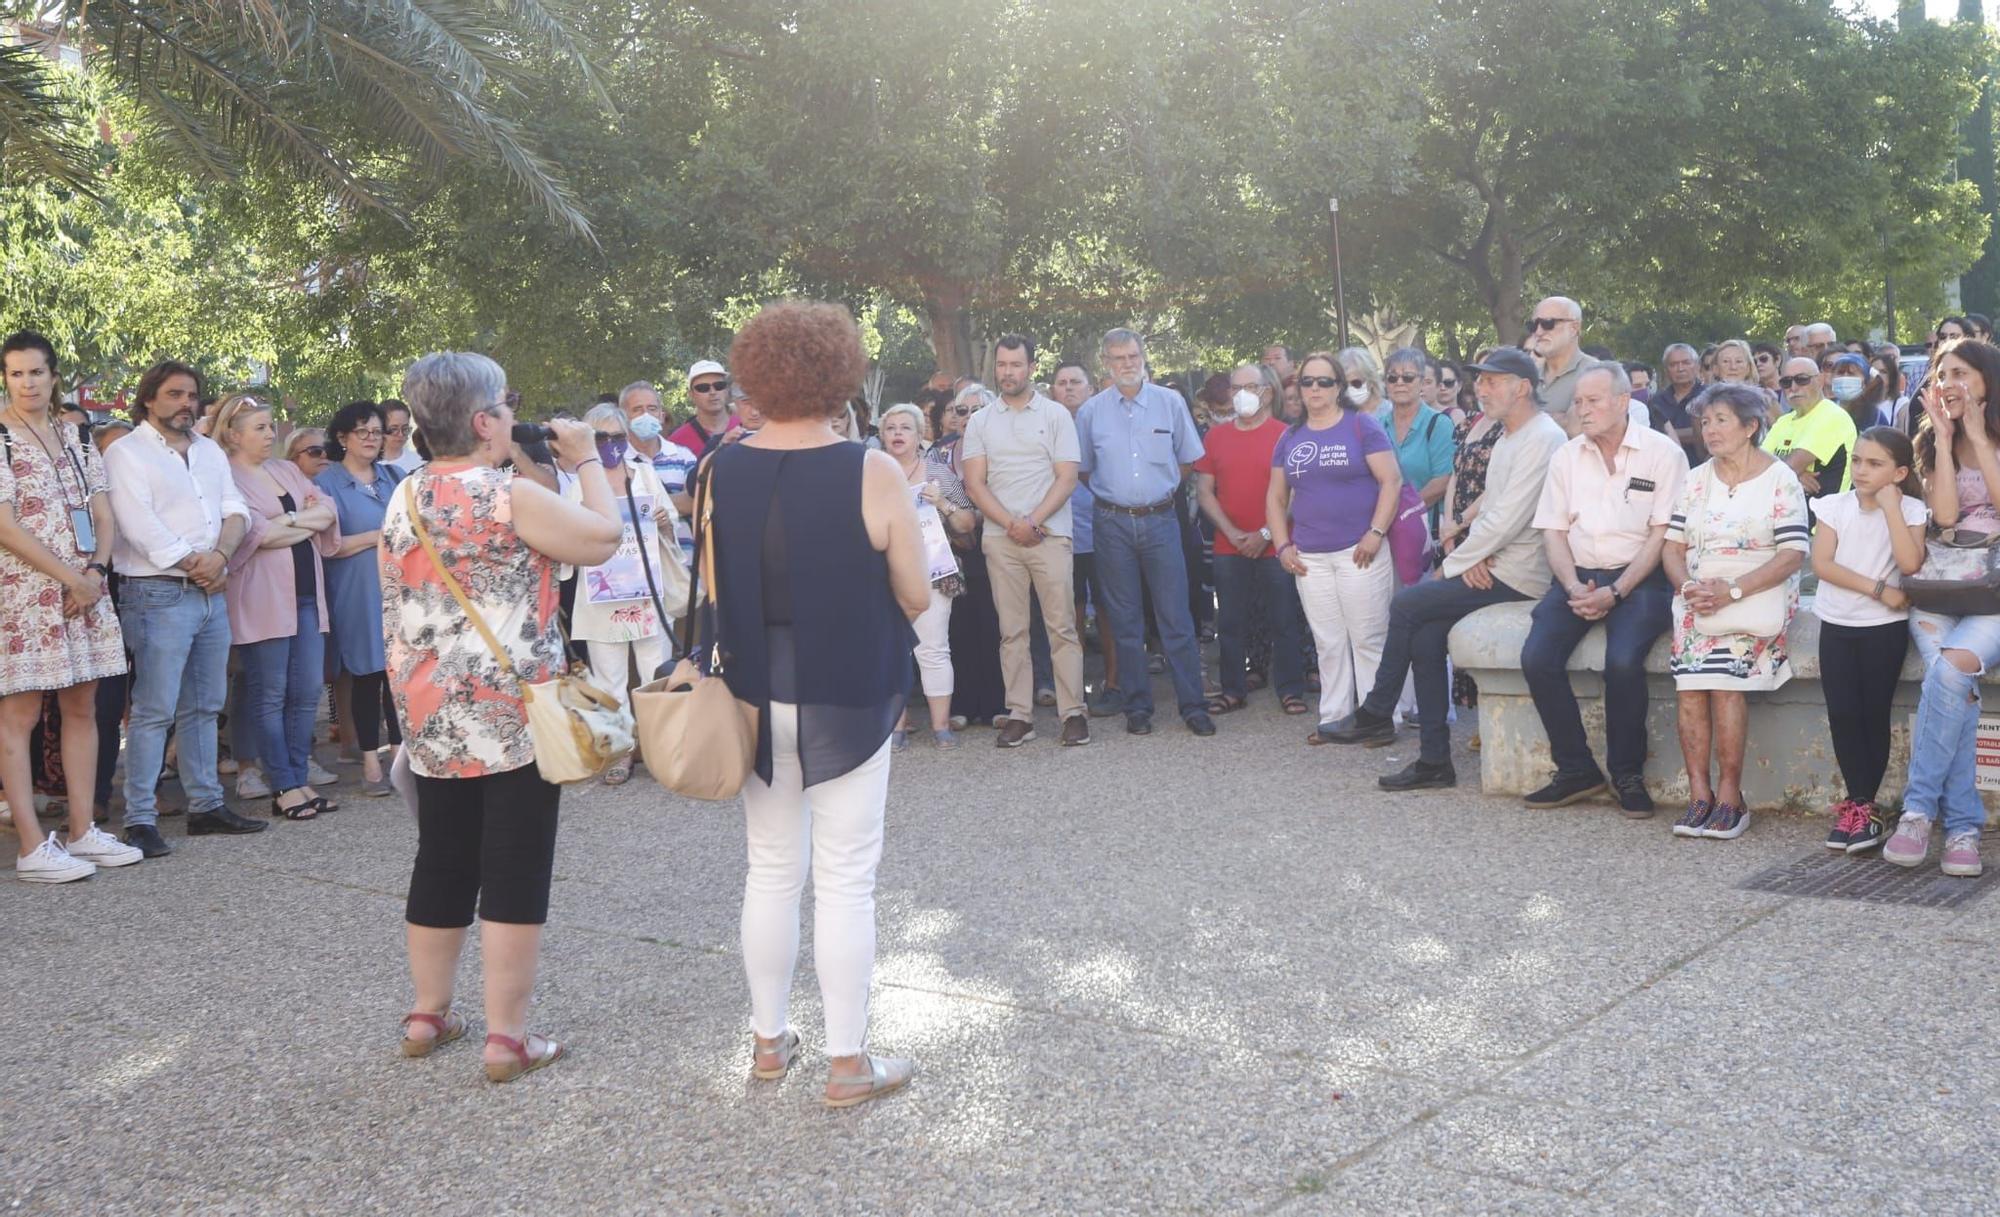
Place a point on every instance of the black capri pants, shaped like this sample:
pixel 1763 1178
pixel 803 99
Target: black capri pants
pixel 490 840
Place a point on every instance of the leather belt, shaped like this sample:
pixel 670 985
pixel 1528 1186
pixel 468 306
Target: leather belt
pixel 180 579
pixel 1152 510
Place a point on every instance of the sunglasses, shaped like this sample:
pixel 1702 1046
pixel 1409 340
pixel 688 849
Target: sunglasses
pixel 1447 383
pixel 315 451
pixel 1793 382
pixel 1545 323
pixel 608 437
pixel 710 386
pixel 1319 382
pixel 1402 378
pixel 961 411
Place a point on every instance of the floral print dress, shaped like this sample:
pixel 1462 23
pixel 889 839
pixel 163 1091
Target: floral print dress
pixel 40 649
pixel 462 716
pixel 1763 515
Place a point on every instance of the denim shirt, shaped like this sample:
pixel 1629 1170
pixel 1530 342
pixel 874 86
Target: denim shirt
pixel 1133 450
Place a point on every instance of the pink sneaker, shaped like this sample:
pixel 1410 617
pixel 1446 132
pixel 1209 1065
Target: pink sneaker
pixel 1910 843
pixel 1961 854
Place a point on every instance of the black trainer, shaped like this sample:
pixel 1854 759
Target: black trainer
pixel 1140 723
pixel 147 840
pixel 1421 775
pixel 1200 723
pixel 222 820
pixel 1567 788
pixel 1874 829
pixel 1365 728
pixel 1632 797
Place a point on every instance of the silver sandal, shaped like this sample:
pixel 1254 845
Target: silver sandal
pixel 886 1075
pixel 786 1048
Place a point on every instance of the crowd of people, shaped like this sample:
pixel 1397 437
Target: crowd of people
pixel 1325 519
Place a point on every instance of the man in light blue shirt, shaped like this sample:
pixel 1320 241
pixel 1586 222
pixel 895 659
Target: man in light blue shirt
pixel 1137 442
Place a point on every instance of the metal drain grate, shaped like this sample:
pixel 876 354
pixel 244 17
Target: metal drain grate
pixel 1831 876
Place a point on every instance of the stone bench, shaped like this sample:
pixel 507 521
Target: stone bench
pixel 1789 760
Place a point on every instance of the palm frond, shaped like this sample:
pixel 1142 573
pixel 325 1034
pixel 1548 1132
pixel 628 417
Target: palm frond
pixel 39 128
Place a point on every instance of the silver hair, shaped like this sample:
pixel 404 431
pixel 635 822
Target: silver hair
pixel 1621 380
pixel 1574 309
pixel 976 393
pixel 1678 346
pixel 1818 328
pixel 1747 402
pixel 445 390
pixel 1361 360
pixel 1409 357
pixel 604 412
pixel 1268 377
pixel 1121 337
pixel 904 409
pixel 634 387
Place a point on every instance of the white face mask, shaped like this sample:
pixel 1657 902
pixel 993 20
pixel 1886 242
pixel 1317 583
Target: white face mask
pixel 1247 402
pixel 1357 396
pixel 1846 388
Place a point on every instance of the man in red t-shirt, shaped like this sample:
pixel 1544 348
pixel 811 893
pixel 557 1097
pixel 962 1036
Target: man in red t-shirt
pixel 1233 483
pixel 708 389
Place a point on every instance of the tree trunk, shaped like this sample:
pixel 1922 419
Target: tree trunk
pixel 950 327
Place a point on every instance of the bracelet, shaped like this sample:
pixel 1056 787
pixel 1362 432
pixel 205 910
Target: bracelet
pixel 1287 545
pixel 1880 584
pixel 588 460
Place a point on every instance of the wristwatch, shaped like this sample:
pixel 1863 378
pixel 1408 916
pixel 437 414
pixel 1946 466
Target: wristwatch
pixel 1265 533
pixel 1378 532
pixel 99 567
pixel 1735 592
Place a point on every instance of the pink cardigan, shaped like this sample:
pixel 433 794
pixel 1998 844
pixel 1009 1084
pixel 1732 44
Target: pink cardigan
pixel 261 594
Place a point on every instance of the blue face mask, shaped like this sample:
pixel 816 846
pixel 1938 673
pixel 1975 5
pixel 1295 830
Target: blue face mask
pixel 1846 388
pixel 646 426
pixel 612 452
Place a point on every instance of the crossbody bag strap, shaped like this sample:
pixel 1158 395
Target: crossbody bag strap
pixel 704 572
pixel 451 584
pixel 645 563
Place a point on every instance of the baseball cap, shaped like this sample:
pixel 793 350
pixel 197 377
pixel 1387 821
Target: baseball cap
pixel 706 367
pixel 1510 361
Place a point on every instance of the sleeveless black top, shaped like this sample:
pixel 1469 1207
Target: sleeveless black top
pixel 806 612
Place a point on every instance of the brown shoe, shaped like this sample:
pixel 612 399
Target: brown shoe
pixel 1014 733
pixel 1076 731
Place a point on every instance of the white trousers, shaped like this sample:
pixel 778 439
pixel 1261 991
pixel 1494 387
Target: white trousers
pixel 1348 609
pixel 933 627
pixel 610 663
pixel 836 829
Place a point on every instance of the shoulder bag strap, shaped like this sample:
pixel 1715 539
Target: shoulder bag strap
pixel 451 584
pixel 703 576
pixel 645 562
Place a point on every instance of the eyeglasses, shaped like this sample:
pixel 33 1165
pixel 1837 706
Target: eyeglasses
pixel 1318 382
pixel 1402 378
pixel 1794 382
pixel 710 386
pixel 315 451
pixel 403 429
pixel 367 433
pixel 1545 323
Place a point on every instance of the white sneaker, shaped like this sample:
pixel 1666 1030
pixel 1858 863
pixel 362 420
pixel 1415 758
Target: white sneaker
pixel 250 784
pixel 51 863
pixel 316 775
pixel 100 848
pixel 226 766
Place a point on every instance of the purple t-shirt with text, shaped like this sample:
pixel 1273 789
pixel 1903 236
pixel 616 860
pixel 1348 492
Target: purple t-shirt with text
pixel 1333 489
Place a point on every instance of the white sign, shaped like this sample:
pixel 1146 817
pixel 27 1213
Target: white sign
pixel 624 577
pixel 937 546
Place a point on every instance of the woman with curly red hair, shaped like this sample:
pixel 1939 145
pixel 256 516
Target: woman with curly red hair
pixel 820 571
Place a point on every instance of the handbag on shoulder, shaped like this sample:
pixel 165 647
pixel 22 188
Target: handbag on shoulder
pixel 696 737
pixel 578 729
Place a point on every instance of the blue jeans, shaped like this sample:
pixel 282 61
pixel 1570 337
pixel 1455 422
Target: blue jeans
pixel 1135 555
pixel 1242 586
pixel 1947 732
pixel 1629 632
pixel 179 636
pixel 1420 621
pixel 281 684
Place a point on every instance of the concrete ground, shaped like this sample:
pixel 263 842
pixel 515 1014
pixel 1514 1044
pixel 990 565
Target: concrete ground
pixel 1160 975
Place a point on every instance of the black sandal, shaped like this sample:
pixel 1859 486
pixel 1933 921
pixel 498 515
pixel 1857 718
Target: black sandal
pixel 1226 703
pixel 305 811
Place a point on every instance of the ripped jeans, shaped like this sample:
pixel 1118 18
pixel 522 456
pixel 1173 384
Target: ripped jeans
pixel 1942 748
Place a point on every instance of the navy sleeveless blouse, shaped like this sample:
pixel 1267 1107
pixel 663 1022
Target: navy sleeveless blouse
pixel 806 615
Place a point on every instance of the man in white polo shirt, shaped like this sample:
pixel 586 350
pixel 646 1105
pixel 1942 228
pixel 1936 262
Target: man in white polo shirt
pixel 1020 460
pixel 1603 516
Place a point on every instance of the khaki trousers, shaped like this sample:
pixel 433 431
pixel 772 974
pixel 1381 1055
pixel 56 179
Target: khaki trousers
pixel 1048 570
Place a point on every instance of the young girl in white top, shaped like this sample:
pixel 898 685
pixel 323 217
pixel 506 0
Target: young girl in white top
pixel 1868 538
